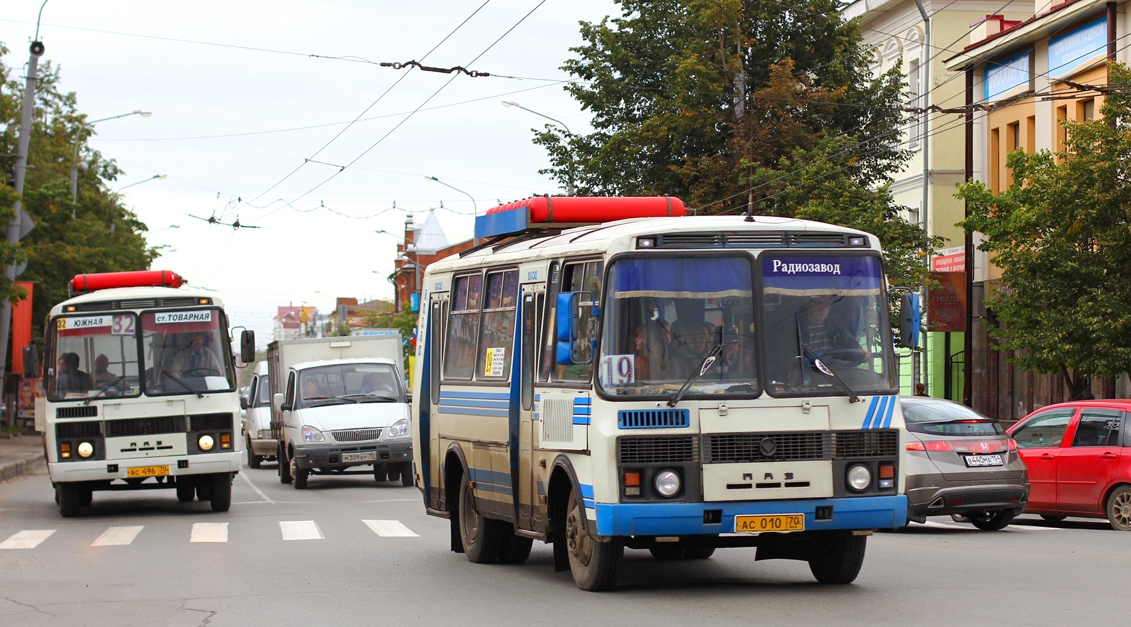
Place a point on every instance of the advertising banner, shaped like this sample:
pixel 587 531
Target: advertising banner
pixel 946 304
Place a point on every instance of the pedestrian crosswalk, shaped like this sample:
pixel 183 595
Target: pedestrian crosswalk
pixel 203 532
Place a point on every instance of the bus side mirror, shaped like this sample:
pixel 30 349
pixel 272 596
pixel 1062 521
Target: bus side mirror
pixel 247 346
pixel 909 317
pixel 574 344
pixel 31 361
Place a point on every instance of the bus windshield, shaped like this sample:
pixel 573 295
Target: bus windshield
pixel 667 317
pixel 93 354
pixel 185 352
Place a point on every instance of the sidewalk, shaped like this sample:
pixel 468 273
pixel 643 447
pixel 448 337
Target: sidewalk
pixel 19 454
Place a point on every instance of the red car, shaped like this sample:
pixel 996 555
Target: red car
pixel 1079 460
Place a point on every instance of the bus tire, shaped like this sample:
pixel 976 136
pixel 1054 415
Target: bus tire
pixel 700 553
pixel 668 553
pixel 593 563
pixel 284 465
pixel 515 550
pixel 300 478
pixel 406 475
pixel 481 537
pixel 204 491
pixel 253 460
pixel 185 493
pixel 86 496
pixel 837 557
pixel 221 492
pixel 69 500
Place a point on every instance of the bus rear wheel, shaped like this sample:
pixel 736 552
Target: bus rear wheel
pixel 593 563
pixel 481 537
pixel 837 557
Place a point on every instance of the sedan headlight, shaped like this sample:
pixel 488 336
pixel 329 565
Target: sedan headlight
pixel 310 434
pixel 859 477
pixel 399 429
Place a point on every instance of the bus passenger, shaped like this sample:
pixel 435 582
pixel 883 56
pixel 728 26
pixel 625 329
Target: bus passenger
pixel 68 378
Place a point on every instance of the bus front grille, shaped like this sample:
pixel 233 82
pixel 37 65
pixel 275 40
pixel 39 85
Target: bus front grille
pixel 77 430
pixel 734 448
pixel 210 422
pixel 81 411
pixel 865 444
pixel 144 426
pixel 658 450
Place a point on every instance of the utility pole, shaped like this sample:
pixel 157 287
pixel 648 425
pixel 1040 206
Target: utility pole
pixel 19 224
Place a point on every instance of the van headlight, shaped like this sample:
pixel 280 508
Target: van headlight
pixel 310 434
pixel 399 429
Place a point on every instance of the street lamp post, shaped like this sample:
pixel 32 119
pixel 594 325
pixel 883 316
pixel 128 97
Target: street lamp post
pixel 569 182
pixel 155 176
pixel 78 142
pixel 475 208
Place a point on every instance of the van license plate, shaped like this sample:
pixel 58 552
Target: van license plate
pixel 763 524
pixel 147 471
pixel 359 457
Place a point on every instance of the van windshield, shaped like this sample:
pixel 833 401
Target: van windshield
pixel 348 383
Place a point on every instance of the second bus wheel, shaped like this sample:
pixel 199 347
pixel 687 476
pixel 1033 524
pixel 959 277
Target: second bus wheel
pixel 482 537
pixel 204 491
pixel 221 492
pixel 594 564
pixel 69 499
pixel 837 557
pixel 185 493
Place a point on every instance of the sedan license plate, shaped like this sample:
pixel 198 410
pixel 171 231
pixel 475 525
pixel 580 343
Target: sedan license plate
pixel 978 461
pixel 776 522
pixel 147 471
pixel 359 457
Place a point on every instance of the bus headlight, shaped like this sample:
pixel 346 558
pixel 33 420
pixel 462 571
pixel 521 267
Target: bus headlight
pixel 667 483
pixel 859 477
pixel 86 449
pixel 206 442
pixel 310 434
pixel 399 429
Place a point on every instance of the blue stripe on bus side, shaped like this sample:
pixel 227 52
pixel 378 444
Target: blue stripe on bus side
pixel 448 409
pixel 871 411
pixel 450 394
pixel 887 416
pixel 480 476
pixel 583 400
pixel 579 410
pixel 586 491
pixel 467 403
pixel 881 407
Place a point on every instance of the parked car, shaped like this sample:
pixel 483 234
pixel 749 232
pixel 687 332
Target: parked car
pixel 260 444
pixel 1079 460
pixel 960 463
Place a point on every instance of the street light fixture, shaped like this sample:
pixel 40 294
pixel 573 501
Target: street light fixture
pixel 569 183
pixel 155 176
pixel 475 207
pixel 78 141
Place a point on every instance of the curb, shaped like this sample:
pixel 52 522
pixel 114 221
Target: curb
pixel 18 468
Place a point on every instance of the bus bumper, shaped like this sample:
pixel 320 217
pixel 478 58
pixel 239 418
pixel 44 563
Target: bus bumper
pixel 679 519
pixel 109 469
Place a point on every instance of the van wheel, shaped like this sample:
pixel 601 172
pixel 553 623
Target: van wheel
pixel 68 494
pixel 300 478
pixel 482 540
pixel 594 564
pixel 185 493
pixel 284 465
pixel 837 557
pixel 394 475
pixel 253 460
pixel 221 489
pixel 1119 509
pixel 406 475
pixel 379 473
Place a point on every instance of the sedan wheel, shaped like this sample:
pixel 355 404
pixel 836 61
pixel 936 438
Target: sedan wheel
pixel 1119 509
pixel 992 521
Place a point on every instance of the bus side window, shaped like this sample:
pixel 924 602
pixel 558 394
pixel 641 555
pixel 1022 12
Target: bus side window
pixel 577 277
pixel 547 332
pixel 436 341
pixel 529 341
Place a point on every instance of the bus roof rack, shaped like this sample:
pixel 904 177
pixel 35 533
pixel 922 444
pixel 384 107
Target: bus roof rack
pixel 558 212
pixel 86 283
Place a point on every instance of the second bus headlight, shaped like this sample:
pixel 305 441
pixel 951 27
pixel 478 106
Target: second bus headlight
pixel 667 483
pixel 206 442
pixel 859 477
pixel 86 449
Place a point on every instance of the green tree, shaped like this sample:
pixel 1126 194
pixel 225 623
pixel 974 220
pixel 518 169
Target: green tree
pixel 96 233
pixel 725 102
pixel 403 321
pixel 1061 235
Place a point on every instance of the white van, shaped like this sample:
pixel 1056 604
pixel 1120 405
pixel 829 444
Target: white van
pixel 260 444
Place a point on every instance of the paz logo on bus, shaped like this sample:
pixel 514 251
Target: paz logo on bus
pixel 171 317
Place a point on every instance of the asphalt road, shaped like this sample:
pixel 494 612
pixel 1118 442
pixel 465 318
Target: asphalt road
pixel 350 551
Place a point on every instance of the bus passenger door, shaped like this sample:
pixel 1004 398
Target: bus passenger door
pixel 526 496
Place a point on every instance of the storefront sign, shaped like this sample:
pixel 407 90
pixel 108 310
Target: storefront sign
pixel 946 304
pixel 1007 77
pixel 1078 48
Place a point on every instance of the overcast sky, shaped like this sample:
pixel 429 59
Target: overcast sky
pixel 252 105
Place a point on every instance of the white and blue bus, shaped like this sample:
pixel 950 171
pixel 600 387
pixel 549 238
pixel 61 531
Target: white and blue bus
pixel 609 373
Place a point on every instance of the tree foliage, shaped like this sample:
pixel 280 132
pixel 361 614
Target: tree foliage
pixel 403 321
pixel 1061 235
pixel 721 102
pixel 96 233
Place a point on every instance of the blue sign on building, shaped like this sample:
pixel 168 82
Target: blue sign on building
pixel 1006 75
pixel 1078 48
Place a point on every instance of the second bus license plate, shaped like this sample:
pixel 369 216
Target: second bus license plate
pixel 359 457
pixel 768 523
pixel 147 471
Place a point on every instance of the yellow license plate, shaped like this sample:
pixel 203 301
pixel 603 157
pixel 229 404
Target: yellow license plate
pixel 765 524
pixel 147 471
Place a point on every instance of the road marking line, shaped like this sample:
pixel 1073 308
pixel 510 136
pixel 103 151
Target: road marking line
pixel 118 536
pixel 300 530
pixel 390 529
pixel 257 490
pixel 209 532
pixel 27 539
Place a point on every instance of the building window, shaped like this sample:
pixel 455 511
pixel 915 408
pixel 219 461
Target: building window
pixel 913 102
pixel 995 160
pixel 1087 110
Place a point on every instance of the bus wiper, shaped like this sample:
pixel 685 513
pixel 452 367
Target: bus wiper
pixel 183 384
pixel 102 391
pixel 695 374
pixel 820 365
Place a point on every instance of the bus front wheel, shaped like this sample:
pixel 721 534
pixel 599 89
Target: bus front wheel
pixel 593 563
pixel 70 498
pixel 221 492
pixel 837 557
pixel 482 541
